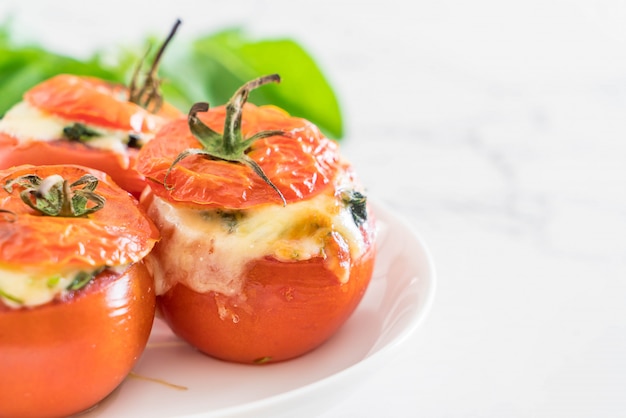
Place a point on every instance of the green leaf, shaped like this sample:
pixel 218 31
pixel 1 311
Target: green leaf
pixel 23 66
pixel 218 64
pixel 80 280
pixel 79 132
pixel 208 69
pixel 11 298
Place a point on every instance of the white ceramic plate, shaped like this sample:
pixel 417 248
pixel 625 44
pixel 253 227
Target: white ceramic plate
pixel 188 384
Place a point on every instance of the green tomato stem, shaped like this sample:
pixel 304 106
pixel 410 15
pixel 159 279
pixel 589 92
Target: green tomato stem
pixel 229 146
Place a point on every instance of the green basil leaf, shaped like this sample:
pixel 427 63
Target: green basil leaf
pixel 215 66
pixel 23 67
pixel 211 68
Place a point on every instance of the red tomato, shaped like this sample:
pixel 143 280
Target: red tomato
pixel 120 233
pixel 66 356
pixel 93 101
pixel 301 165
pixel 96 104
pixel 62 357
pixel 289 309
pixel 284 307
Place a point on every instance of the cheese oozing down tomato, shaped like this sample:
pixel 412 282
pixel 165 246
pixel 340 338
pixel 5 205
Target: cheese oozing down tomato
pixel 261 284
pixel 267 241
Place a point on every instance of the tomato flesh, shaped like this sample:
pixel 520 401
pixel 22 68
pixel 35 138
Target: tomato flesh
pixel 118 234
pixel 285 310
pixel 61 358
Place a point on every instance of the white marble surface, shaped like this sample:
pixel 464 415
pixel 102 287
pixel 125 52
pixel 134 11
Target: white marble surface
pixel 497 128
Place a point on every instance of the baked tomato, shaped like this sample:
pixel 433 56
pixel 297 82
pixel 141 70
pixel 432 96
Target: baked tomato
pixel 82 120
pixel 267 242
pixel 77 302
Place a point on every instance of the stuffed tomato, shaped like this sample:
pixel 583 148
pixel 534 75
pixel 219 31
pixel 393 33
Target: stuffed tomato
pixel 77 302
pixel 87 121
pixel 267 241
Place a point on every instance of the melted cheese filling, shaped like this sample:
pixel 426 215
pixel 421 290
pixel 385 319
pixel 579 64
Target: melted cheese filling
pixel 21 288
pixel 207 250
pixel 26 123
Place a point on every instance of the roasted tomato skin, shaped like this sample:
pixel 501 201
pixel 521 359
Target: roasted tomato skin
pixel 97 103
pixel 301 165
pixel 284 311
pixel 119 234
pixel 226 290
pixel 92 100
pixel 63 357
pixel 65 152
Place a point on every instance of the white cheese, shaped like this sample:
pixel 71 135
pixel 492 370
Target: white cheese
pixel 209 250
pixel 31 288
pixel 26 123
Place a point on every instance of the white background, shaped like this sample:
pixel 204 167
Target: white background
pixel 498 129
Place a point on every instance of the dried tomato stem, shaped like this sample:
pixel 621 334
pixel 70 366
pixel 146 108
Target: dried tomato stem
pixel 66 201
pixel 149 92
